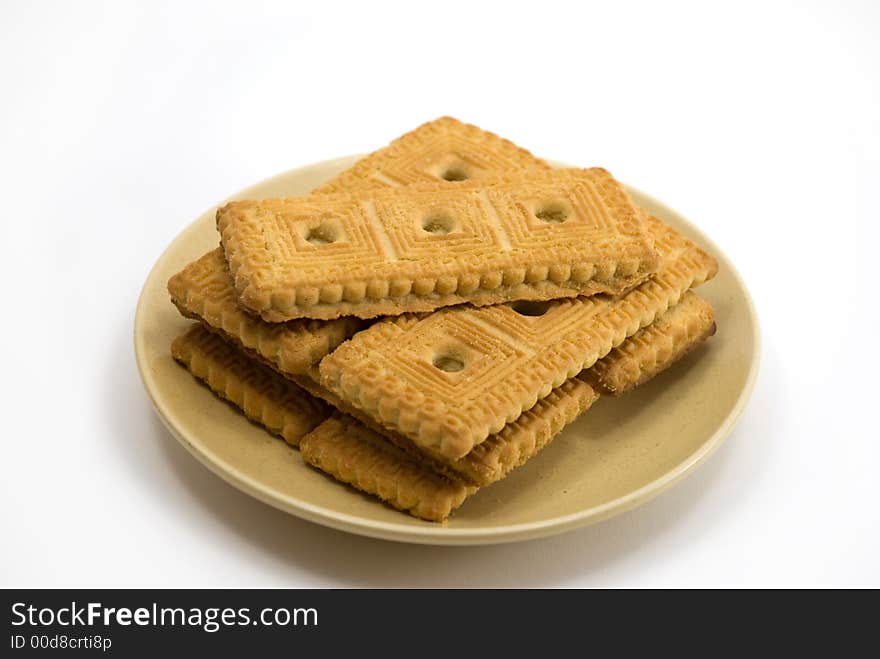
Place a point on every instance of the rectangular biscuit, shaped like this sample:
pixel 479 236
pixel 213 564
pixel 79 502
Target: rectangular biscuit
pixel 287 410
pixel 521 439
pixel 639 358
pixel 352 453
pixel 203 291
pixel 359 455
pixel 441 150
pixel 494 458
pixel 654 348
pixel 264 396
pixel 531 236
pixel 452 378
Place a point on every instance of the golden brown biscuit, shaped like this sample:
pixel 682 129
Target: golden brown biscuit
pixel 521 439
pixel 311 383
pixel 524 237
pixel 350 452
pixel 286 409
pixel 654 348
pixel 452 378
pixel 264 396
pixel 444 147
pixel 494 458
pixel 203 291
pixel 441 150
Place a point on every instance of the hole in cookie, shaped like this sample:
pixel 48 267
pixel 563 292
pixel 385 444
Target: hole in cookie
pixel 552 213
pixel 448 363
pixel 438 223
pixel 454 174
pixel 528 308
pixel 322 235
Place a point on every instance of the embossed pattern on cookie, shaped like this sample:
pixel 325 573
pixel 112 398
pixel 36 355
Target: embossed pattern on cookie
pixel 424 247
pixel 654 348
pixel 441 150
pixel 452 378
pixel 264 396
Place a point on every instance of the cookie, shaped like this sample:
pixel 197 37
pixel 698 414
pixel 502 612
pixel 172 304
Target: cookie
pixel 494 458
pixel 450 379
pixel 654 348
pixel 352 453
pixel 441 150
pixel 203 291
pixel 286 409
pixel 535 236
pixel 264 396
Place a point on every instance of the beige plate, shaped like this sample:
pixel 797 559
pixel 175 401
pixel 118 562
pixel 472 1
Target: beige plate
pixel 620 454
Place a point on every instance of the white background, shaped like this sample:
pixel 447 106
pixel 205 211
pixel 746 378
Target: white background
pixel 121 122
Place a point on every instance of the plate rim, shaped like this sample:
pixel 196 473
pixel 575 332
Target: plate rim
pixel 441 534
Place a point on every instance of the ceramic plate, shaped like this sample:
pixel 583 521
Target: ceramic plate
pixel 619 454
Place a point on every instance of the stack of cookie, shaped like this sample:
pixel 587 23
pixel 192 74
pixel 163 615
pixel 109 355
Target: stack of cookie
pixel 431 318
